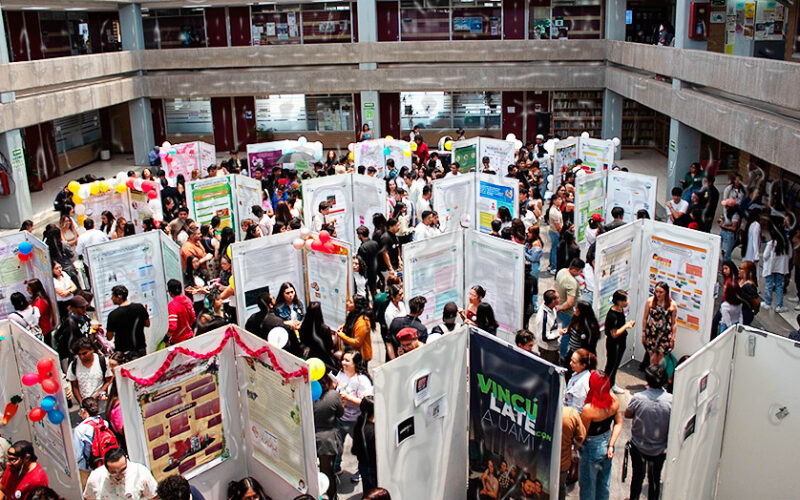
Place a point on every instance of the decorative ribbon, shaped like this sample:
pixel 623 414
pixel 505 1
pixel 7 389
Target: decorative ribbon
pixel 230 332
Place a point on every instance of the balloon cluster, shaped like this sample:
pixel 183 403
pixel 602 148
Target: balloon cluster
pixel 517 142
pixel 388 142
pixel 316 370
pixel 119 183
pixel 167 153
pixel 25 251
pixel 47 377
pixel 321 243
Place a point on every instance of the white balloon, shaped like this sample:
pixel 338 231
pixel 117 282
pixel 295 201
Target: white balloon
pixel 166 145
pixel 298 244
pixel 324 482
pixel 84 192
pixel 278 337
pixel 308 243
pixel 80 209
pixel 517 144
pixel 121 177
pixel 154 204
pixel 585 135
pixel 616 141
pixel 305 232
pixel 137 184
pixel 302 139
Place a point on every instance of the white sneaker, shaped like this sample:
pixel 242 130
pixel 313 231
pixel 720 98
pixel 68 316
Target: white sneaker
pixel 780 309
pixel 766 307
pixel 797 307
pixel 617 389
pixel 793 299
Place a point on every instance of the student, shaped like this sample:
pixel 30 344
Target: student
pixel 23 473
pixel 545 328
pixel 127 322
pixel 88 372
pixel 616 329
pixel 448 324
pixel 524 340
pixel 677 206
pixel 25 315
pixel 181 314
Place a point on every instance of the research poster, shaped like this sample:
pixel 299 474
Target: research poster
pixel 248 194
pixel 466 156
pixel 210 197
pixel 454 201
pixel 632 192
pixel 109 201
pixel 566 152
pixel 514 411
pixel 336 190
pixel 182 418
pixel 500 153
pixel 265 160
pixel 328 282
pixel 495 192
pixel 613 271
pixel 686 269
pixel 171 254
pixel 276 425
pixel 141 208
pixel 370 154
pixel 369 198
pixel 434 269
pixel 596 154
pixel 13 272
pixel 590 193
pixel 399 151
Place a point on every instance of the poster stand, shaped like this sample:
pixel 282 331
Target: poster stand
pixel 16 273
pixel 19 354
pixel 471 200
pixel 268 155
pixel 132 204
pixel 268 262
pixel 596 154
pixel 221 407
pixel 187 156
pixel 375 153
pixel 143 263
pixel 231 197
pixel 632 192
pixel 469 154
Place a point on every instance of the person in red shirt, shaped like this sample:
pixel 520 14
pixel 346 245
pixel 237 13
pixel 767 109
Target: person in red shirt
pixel 40 301
pixel 23 474
pixel 422 150
pixel 181 314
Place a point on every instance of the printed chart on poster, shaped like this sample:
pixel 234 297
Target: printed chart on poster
pixel 596 154
pixel 275 422
pixel 435 271
pixel 590 192
pixel 613 271
pixel 210 197
pixel 328 279
pixel 182 418
pixel 454 200
pixel 632 192
pixel 493 193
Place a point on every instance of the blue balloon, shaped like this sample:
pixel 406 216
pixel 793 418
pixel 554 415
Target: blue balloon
pixel 387 151
pixel 25 248
pixel 55 416
pixel 316 390
pixel 48 403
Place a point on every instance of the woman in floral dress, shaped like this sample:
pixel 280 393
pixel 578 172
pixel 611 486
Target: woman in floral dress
pixel 660 326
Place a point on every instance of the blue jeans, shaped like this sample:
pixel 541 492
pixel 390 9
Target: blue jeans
pixel 774 284
pixel 728 238
pixel 344 429
pixel 595 468
pixel 564 319
pixel 553 249
pixel 535 268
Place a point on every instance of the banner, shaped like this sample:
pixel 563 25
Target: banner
pixel 590 193
pixel 287 153
pixel 454 201
pixel 515 417
pixel 265 160
pixel 596 154
pixel 632 192
pixel 494 192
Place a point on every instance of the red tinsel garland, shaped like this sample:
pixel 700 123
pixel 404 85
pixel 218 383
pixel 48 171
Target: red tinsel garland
pixel 230 332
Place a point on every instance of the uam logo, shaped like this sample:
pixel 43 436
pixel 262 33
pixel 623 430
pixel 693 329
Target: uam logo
pixel 509 193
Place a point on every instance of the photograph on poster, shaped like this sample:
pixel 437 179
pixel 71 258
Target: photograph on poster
pixel 436 409
pixel 421 388
pixel 405 430
pixel 689 428
pixel 702 388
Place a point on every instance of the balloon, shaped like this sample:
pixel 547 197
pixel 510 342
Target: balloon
pixel 50 385
pixel 84 192
pixel 310 244
pixel 350 147
pixel 191 151
pixel 94 189
pixel 317 245
pixel 278 337
pixel 152 195
pixel 48 403
pixel 24 257
pixel 82 218
pixel 448 145
pixel 162 154
pixel 585 135
pixel 616 141
pixel 121 188
pixel 45 365
pixel 387 151
pixel 55 416
pixel 137 184
pixel 73 187
pixel 407 153
pixel 517 144
pixel 324 236
pixel 230 281
pixel 129 183
pixel 298 244
pixel 316 390
pixel 328 247
pixel 351 156
pixel 413 146
pixel 168 159
pixel 166 145
pixel 316 368
pixel 305 232
pixel 30 379
pixel 36 414
pixel 103 186
pixel 389 137
pixel 173 151
pixel 228 252
pixel 302 140
pixel 76 199
pixel 80 209
pixel 25 248
pixel 323 482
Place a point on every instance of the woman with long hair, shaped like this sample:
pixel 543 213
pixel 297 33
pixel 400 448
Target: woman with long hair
pixel 196 287
pixel 226 238
pixel 328 409
pixel 518 232
pixel 364 444
pixel 534 247
pixel 119 228
pixel 504 216
pixel 41 301
pixel 113 414
pixel 353 383
pixel 357 326
pixel 748 289
pixel 360 276
pixel 107 223
pixel 484 318
pixel 406 232
pixel 582 362
pixel 69 233
pixel 379 223
pixel 583 329
pixel 474 298
pixel 365 134
pixel 289 307
pixel 65 289
pixel 282 213
pixel 659 322
pixel 317 337
pixel 616 330
pixel 775 265
pixel 568 249
pixel 253 232
pixel 602 417
pixel 730 309
pixel 246 489
pixel 60 253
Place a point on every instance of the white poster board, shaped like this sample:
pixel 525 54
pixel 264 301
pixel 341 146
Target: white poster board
pixel 188 156
pixel 590 194
pixel 596 154
pixel 230 197
pixel 132 204
pixel 328 281
pixel 369 198
pixel 14 274
pixel 375 152
pixel 491 193
pixel 337 190
pixel 437 446
pixel 566 152
pixel 454 201
pixel 501 154
pixel 136 262
pixel 247 194
pixel 632 192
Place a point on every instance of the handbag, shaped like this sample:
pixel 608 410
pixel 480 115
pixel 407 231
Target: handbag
pixel 34 330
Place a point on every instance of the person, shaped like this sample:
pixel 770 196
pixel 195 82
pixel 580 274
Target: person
pixel 407 340
pixel 650 410
pixel 422 151
pixel 573 433
pixel 360 278
pixel 25 315
pixel 484 318
pixel 321 218
pixel 710 195
pixel 545 327
pixel 246 489
pixel 83 435
pixel 88 372
pixel 75 325
pixel 127 322
pixel 660 325
pixel 728 226
pixel 751 246
pixel 474 298
pixel 176 487
pixel 396 307
pixel 353 384
pixel 253 323
pixel 524 339
pixel 288 306
pixel 120 479
pixel 490 486
pixel 355 331
pixel 365 134
pixel 107 223
pixel 368 250
pixel 581 363
pixel 775 265
pixel 731 307
pixel 69 233
pixel 316 336
pixel 693 180
pixel 583 329
pixel 677 206
pixel 568 294
pixel 448 324
pixel 415 308
pixel 92 236
pixel 748 286
pixel 328 409
pixel 602 418
pixel 64 287
pixel 193 248
pixel 180 224
pixel 364 444
pixel 23 473
pixel 390 250
pixel 196 286
pixel 617 213
pixel 616 330
pixel 556 222
pixel 181 314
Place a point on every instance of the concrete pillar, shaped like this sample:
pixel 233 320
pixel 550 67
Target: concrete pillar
pixel 130 20
pixel 683 150
pixel 368 32
pixel 367 21
pixel 615 19
pixel 682 28
pixel 370 111
pixel 612 115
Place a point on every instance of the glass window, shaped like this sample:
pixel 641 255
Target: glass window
pixel 442 110
pixel 188 116
pixel 476 110
pixel 426 109
pixel 332 113
pixel 77 130
pixel 281 112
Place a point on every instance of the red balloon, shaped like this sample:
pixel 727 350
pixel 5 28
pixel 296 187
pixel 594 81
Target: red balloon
pixel 317 245
pixel 329 247
pixel 24 257
pixel 50 385
pixel 36 414
pixel 45 365
pixel 152 195
pixel 30 379
pixel 169 159
pixel 324 236
pixel 191 151
pixel 129 183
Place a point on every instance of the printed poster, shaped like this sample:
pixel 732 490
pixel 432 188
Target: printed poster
pixel 212 197
pixel 13 275
pixel 596 154
pixel 466 157
pixel 590 193
pixel 328 283
pixel 501 154
pixel 266 160
pixel 182 418
pixel 490 198
pixel 503 284
pixel 513 409
pixel 565 155
pixel 433 273
pixel 453 200
pixel 632 192
pixel 613 271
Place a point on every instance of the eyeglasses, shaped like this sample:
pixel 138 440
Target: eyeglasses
pixel 13 458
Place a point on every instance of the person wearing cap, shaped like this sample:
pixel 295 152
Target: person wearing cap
pixel 594 228
pixel 407 337
pixel 539 145
pixel 448 324
pixel 415 308
pixel 77 324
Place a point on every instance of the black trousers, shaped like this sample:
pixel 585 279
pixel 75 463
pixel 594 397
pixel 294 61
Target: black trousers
pixel 652 465
pixel 615 349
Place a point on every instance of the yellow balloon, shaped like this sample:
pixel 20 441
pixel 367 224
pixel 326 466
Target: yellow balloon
pixel 413 146
pixel 76 199
pixel 103 187
pixel 351 156
pixel 230 281
pixel 448 145
pixel 228 253
pixel 73 187
pixel 121 188
pixel 316 368
pixel 406 153
pixel 94 189
pixel 389 137
pixel 81 218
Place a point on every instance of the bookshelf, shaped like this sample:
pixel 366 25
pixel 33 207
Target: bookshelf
pixel 638 125
pixel 575 112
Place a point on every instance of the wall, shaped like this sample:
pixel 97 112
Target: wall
pixel 216 27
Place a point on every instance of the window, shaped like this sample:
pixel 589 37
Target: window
pixel 302 113
pixel 426 109
pixel 441 110
pixel 188 116
pixel 77 130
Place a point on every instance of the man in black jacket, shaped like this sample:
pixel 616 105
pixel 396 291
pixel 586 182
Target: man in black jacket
pixel 415 307
pixel 369 252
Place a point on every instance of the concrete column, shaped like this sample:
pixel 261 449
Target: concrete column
pixel 367 21
pixel 682 28
pixel 368 32
pixel 683 150
pixel 370 111
pixel 130 20
pixel 615 19
pixel 612 115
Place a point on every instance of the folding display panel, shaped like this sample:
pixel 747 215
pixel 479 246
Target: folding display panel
pixel 375 152
pixel 230 197
pixel 471 200
pixel 14 273
pixel 143 263
pixel 469 154
pixel 268 262
pixel 564 156
pixel 590 195
pixel 188 156
pixel 201 414
pixel 132 204
pixel 268 155
pixel 369 198
pixel 19 354
pixel 491 193
pixel 632 192
pixel 596 154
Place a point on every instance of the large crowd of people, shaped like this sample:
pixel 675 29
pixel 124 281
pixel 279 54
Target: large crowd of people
pixel 561 325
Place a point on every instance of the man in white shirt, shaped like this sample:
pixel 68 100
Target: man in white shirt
pixel 545 328
pixel 322 217
pixel 424 229
pixel 676 206
pixel 120 479
pixel 265 222
pixel 424 203
pixel 92 236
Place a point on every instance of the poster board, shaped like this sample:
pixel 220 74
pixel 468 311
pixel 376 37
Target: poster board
pixel 132 204
pixel 369 197
pixel 263 155
pixel 566 152
pixel 590 194
pixel 338 190
pixel 328 280
pixel 596 154
pixel 19 353
pixel 515 412
pixel 436 446
pixel 434 269
pixel 501 154
pixel 14 274
pixel 269 155
pixel 465 153
pixel 375 152
pixel 208 438
pixel 143 263
pixel 247 194
pixel 632 192
pixel 221 196
pixel 454 201
pixel 491 193
pixel 188 156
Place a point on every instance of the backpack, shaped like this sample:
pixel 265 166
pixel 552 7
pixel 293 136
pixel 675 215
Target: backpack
pixel 73 366
pixel 103 440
